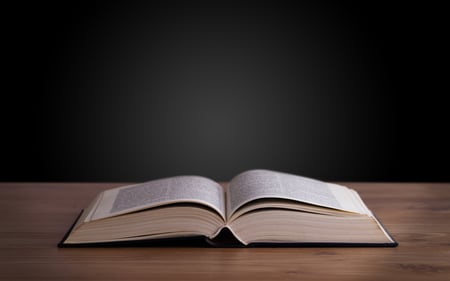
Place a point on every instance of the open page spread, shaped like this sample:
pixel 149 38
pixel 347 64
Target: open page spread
pixel 260 184
pixel 259 206
pixel 181 189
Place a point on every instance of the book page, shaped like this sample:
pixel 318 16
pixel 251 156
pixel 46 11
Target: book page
pixel 258 184
pixel 181 189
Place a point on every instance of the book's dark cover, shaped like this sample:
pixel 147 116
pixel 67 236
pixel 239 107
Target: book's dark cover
pixel 225 239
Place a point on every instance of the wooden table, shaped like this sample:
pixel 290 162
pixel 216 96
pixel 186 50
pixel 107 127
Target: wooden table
pixel 35 216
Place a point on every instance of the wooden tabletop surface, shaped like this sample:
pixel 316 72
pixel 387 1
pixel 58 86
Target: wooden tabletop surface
pixel 35 216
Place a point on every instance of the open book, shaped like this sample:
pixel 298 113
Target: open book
pixel 257 207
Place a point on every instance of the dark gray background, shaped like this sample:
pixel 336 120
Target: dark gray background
pixel 137 91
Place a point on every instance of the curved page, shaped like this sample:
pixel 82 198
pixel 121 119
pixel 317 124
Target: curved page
pixel 259 184
pixel 181 189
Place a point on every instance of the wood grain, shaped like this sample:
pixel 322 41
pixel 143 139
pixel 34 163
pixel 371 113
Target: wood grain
pixel 35 216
